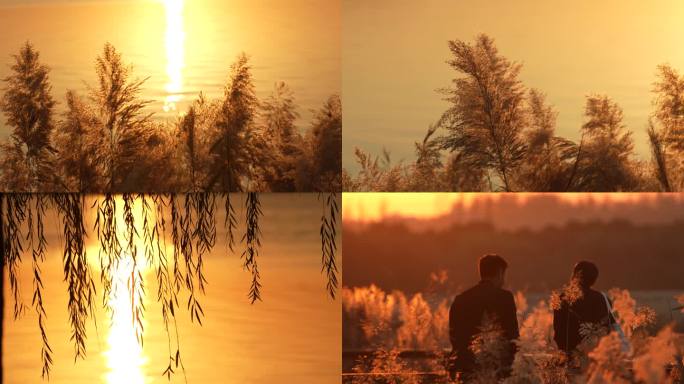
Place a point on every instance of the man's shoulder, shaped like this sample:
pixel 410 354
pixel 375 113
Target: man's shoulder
pixel 505 294
pixel 466 295
pixel 480 290
pixel 595 296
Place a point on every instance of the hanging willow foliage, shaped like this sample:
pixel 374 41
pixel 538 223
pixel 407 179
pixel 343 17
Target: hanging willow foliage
pixel 77 273
pixel 205 230
pixel 155 238
pixel 230 222
pixel 15 214
pixel 193 236
pixel 252 240
pixel 136 286
pixel 328 241
pixel 39 252
pixel 110 247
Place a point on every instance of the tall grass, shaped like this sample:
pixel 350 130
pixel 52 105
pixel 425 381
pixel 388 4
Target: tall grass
pixel 389 329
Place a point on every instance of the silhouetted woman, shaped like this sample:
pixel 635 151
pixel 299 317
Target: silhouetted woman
pixel 580 304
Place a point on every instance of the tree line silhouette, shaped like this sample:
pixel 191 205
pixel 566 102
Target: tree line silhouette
pixel 498 135
pixel 639 257
pixel 395 337
pixel 106 141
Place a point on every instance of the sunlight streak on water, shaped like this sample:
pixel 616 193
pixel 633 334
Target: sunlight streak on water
pixel 124 355
pixel 175 52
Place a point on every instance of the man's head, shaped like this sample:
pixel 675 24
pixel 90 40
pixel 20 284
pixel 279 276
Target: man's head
pixel 493 268
pixel 586 273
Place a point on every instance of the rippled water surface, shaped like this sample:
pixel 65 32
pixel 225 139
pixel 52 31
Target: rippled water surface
pixel 182 46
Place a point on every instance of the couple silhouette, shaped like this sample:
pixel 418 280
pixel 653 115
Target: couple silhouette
pixel 488 311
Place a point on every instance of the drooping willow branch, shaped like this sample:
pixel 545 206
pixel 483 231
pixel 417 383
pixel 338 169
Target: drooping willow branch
pixel 155 238
pixel 230 222
pixel 136 283
pixel 110 247
pixel 328 241
pixel 15 214
pixel 252 240
pixel 19 209
pixel 39 252
pixel 193 236
pixel 204 205
pixel 77 272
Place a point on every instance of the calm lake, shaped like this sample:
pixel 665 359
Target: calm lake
pixel 183 46
pixel 395 51
pixel 294 335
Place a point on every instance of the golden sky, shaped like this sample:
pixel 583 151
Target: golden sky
pixel 395 51
pixel 369 207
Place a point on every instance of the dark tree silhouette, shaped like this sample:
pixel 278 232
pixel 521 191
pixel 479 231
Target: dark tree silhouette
pixel 279 114
pixel 234 141
pixel 464 173
pixel 28 107
pixel 321 170
pixel 121 127
pixel 549 160
pixel 501 137
pixel 666 128
pixel 428 163
pixel 110 142
pixel 74 138
pixel 486 116
pixel 606 161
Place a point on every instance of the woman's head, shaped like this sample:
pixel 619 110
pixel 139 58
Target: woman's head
pixel 586 273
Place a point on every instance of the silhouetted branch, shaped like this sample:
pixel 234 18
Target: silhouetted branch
pixel 136 282
pixel 110 247
pixel 252 240
pixel 230 222
pixel 205 229
pixel 575 165
pixel 15 216
pixel 76 270
pixel 328 242
pixel 39 252
pixel 658 152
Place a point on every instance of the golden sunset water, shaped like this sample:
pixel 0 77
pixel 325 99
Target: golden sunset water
pixel 395 55
pixel 293 335
pixel 182 47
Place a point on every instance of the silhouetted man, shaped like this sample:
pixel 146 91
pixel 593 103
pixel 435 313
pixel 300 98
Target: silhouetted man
pixel 489 302
pixel 578 306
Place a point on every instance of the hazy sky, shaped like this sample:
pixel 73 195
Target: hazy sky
pixel 377 206
pixel 394 54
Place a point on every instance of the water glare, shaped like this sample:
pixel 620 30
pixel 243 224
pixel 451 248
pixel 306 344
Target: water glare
pixel 175 53
pixel 124 355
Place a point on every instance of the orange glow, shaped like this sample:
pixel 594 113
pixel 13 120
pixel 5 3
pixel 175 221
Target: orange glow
pixel 369 207
pixel 375 206
pixel 175 52
pixel 124 355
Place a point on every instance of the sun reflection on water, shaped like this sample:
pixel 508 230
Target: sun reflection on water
pixel 124 355
pixel 175 52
